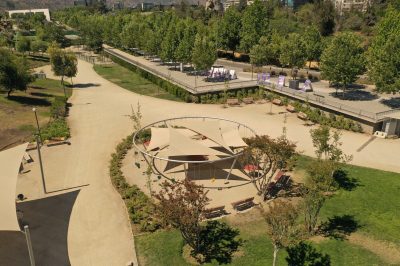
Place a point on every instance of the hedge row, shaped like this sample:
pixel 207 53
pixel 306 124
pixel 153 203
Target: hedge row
pixel 165 85
pixel 316 115
pixel 139 205
pixel 256 93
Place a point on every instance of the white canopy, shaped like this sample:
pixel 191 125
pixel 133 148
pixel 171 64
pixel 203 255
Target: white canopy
pixel 159 138
pixel 233 139
pixel 10 161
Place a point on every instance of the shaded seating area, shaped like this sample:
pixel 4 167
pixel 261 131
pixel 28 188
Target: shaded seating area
pixel 279 182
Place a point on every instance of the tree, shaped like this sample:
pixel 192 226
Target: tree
pixel 303 254
pixel 22 44
pixel 170 43
pixel 259 53
pixel 39 46
pixel 320 14
pixel 63 64
pixel 254 25
pixel 312 44
pixel 312 203
pixel 71 65
pixel 14 72
pixel 185 47
pixel 268 155
pixel 293 52
pixel 181 205
pixel 343 60
pixel 229 29
pixel 383 57
pixel 204 52
pixel 281 224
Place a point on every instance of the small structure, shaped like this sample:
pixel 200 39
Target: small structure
pixel 45 12
pixel 203 149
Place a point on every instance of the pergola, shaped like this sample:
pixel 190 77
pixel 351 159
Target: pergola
pixel 197 148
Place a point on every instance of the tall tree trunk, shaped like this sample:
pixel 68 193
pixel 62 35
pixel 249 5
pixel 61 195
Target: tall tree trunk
pixel 275 255
pixel 9 93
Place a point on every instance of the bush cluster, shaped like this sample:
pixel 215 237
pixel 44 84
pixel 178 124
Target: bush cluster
pixel 317 115
pixel 139 205
pixel 211 98
pixel 58 108
pixel 58 128
pixel 165 85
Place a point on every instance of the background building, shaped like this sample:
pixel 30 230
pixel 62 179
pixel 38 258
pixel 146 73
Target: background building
pixel 348 5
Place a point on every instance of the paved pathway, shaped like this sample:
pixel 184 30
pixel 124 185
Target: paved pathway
pixel 99 231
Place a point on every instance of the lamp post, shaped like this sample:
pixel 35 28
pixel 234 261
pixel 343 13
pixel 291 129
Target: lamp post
pixel 29 243
pixel 41 164
pixel 37 124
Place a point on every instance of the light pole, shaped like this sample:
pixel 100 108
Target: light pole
pixel 41 164
pixel 29 243
pixel 37 124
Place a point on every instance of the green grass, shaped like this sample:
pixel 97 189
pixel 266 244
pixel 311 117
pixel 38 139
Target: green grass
pixel 165 248
pixel 131 81
pixel 373 203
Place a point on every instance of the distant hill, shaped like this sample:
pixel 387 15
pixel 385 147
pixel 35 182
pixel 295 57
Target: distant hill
pixel 58 4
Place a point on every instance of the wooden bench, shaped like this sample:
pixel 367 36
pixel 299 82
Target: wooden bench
pixel 31 146
pixel 278 182
pixel 243 204
pixel 214 212
pixel 56 141
pixel 232 102
pixel 302 116
pixel 277 102
pixel 248 100
pixel 27 158
pixel 290 108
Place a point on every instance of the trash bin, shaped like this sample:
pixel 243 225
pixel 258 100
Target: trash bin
pixel 294 84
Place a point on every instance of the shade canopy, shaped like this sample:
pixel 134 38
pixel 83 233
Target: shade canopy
pixel 10 161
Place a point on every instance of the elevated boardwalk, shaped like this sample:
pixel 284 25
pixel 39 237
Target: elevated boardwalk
pixel 194 85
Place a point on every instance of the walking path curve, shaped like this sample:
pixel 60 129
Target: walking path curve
pixel 99 231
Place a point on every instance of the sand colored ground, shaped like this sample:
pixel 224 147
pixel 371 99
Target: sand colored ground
pixel 99 231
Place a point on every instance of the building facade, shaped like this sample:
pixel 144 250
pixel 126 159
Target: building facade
pixel 343 6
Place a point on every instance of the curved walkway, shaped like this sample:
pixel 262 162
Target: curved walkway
pixel 99 231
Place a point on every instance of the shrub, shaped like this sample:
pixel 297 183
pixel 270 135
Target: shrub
pixel 55 129
pixel 139 205
pixel 58 108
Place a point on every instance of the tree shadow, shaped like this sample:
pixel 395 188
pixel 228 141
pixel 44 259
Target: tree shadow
pixel 304 254
pixel 392 102
pixel 41 94
pixel 218 242
pixel 344 181
pixel 338 227
pixel 355 95
pixel 84 85
pixel 29 100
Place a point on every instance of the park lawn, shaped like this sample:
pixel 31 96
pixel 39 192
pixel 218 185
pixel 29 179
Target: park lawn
pixel 16 116
pixel 373 201
pixel 370 199
pixel 165 248
pixel 129 80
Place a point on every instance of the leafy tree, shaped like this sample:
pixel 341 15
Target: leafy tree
pixel 23 44
pixel 343 60
pixel 383 56
pixel 260 53
pixel 303 254
pixel 254 25
pixel 181 206
pixel 281 224
pixel 293 52
pixel 218 242
pixel 204 52
pixel 39 46
pixel 229 29
pixel 185 47
pixel 312 44
pixel 321 14
pixel 63 63
pixel 312 203
pixel 268 155
pixel 14 72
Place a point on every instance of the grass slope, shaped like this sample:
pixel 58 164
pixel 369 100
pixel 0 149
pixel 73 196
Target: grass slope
pixel 16 116
pixel 370 198
pixel 131 81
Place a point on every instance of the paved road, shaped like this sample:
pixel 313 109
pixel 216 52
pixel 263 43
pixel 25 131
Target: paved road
pixel 99 231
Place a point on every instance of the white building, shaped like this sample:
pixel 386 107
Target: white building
pixel 348 5
pixel 45 12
